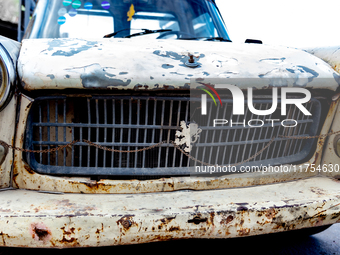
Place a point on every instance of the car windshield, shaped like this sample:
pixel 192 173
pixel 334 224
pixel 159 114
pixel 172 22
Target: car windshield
pixel 161 19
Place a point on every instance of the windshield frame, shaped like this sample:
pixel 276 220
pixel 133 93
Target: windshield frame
pixel 218 20
pixel 40 16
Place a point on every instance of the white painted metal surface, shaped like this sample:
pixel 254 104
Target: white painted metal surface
pixel 139 64
pixel 331 55
pixel 33 219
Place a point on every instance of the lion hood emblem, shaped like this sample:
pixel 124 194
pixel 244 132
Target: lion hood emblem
pixel 189 135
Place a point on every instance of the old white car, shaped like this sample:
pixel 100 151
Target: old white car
pixel 100 145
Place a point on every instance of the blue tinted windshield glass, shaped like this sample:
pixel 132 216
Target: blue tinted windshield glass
pixel 162 19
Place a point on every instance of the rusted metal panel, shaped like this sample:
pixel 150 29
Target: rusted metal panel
pixel 160 64
pixel 331 154
pixel 33 219
pixel 329 54
pixel 24 177
pixel 7 127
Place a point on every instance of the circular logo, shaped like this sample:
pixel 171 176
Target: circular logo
pixel 88 6
pixel 67 2
pixel 105 4
pixel 62 11
pixel 76 4
pixel 72 12
pixel 61 20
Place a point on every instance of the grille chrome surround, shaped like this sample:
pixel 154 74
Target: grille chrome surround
pixel 132 122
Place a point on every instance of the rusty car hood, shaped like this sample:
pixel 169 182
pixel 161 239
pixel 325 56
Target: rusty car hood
pixel 158 64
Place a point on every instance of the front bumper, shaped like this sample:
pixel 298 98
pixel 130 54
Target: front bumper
pixel 36 219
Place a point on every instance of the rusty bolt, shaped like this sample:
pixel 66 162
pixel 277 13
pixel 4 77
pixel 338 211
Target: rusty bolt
pixel 191 59
pixel 191 62
pixel 126 223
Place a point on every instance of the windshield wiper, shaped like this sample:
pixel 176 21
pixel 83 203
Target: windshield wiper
pixel 145 32
pixel 221 39
pixel 148 31
pixel 117 32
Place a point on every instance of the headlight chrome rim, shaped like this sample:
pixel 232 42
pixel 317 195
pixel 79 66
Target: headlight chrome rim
pixel 8 77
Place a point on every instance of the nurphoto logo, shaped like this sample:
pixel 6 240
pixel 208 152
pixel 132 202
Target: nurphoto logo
pixel 237 118
pixel 239 100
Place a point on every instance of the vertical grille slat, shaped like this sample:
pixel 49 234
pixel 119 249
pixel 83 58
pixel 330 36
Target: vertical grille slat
pixel 64 131
pixel 40 132
pixel 137 130
pixel 121 132
pixel 168 134
pixel 88 132
pixel 177 124
pixel 130 123
pixel 251 146
pixel 145 130
pixel 113 130
pixel 105 129
pixel 221 162
pixel 56 130
pixel 160 134
pixel 48 133
pixel 97 131
pixel 186 120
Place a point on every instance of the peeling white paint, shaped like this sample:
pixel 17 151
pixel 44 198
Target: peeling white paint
pixel 33 219
pixel 331 55
pixel 129 64
pixel 7 124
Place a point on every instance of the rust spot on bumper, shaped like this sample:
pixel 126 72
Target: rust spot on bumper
pixel 227 220
pixel 243 231
pixel 126 221
pixel 40 232
pixel 270 214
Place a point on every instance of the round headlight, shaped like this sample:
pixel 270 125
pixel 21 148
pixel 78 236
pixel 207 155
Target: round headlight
pixel 7 75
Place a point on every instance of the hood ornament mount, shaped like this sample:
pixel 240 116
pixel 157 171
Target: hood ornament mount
pixel 191 62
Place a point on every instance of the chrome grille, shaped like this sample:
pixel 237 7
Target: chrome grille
pixel 130 123
pixel 230 144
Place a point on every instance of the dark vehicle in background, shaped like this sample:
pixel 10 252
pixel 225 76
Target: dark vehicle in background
pixel 14 17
